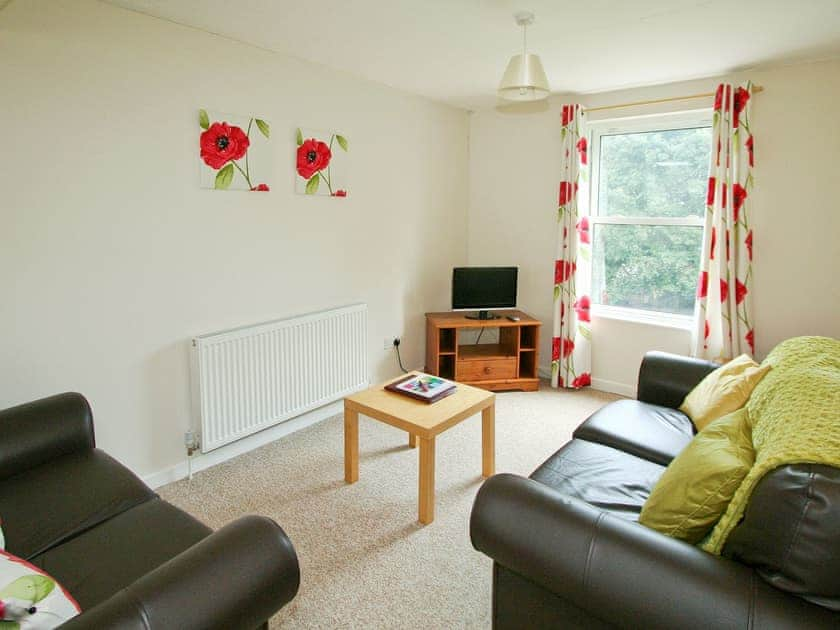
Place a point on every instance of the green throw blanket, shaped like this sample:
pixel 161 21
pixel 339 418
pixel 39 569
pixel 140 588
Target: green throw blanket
pixel 795 417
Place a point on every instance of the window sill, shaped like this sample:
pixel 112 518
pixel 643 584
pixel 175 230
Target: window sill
pixel 651 318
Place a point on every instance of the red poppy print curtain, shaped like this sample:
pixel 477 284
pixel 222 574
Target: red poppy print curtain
pixel 571 332
pixel 724 322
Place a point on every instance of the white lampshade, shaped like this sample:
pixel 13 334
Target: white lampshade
pixel 524 79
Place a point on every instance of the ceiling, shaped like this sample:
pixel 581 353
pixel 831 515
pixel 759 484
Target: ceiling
pixel 456 50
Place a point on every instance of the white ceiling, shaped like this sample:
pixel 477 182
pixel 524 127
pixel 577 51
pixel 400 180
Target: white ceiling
pixel 456 50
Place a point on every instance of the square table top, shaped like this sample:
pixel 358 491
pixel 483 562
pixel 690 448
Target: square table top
pixel 416 416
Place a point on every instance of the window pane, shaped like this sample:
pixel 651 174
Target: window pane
pixel 650 267
pixel 655 173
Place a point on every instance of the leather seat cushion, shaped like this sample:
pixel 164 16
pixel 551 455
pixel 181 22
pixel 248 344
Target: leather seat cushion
pixel 649 431
pixel 612 480
pixel 98 563
pixel 51 503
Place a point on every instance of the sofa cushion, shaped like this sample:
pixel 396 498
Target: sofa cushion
pixel 29 598
pixel 607 478
pixel 723 391
pixel 790 532
pixel 48 504
pixel 105 559
pixel 699 484
pixel 648 431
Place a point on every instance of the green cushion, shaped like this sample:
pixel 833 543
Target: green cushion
pixel 698 485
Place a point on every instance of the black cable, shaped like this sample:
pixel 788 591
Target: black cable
pixel 477 339
pixel 399 358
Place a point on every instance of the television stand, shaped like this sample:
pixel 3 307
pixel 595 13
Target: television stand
pixel 511 363
pixel 483 315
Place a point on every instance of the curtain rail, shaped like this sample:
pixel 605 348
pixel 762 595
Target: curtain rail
pixel 756 90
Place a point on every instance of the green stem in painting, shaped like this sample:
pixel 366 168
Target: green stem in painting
pixel 247 169
pixel 321 173
pixel 244 174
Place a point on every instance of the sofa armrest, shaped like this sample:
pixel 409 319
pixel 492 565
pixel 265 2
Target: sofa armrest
pixel 622 573
pixel 237 577
pixel 39 431
pixel 665 379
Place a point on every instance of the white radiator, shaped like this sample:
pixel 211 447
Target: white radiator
pixel 250 378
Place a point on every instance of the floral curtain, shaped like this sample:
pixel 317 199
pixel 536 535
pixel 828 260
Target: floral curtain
pixel 571 332
pixel 724 314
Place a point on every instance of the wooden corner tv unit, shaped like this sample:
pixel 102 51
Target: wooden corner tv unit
pixel 511 363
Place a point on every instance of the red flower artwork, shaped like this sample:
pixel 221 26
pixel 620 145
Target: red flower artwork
pixel 583 230
pixel 739 102
pixel 710 193
pixel 740 291
pixel 563 270
pixel 724 291
pixel 581 147
pixel 748 243
pixel 750 339
pixel 340 193
pixel 221 143
pixel 706 329
pixel 312 156
pixel 582 308
pixel 703 284
pixel 749 145
pixel 584 380
pixel 260 188
pixel 739 194
pixel 728 240
pixel 567 192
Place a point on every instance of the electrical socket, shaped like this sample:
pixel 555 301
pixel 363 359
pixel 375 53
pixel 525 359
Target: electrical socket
pixel 388 343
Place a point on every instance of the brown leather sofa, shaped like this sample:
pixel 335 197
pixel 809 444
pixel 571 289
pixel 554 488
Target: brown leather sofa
pixel 129 558
pixel 568 552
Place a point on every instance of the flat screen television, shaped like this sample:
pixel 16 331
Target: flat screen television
pixel 482 289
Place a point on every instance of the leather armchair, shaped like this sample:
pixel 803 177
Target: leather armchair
pixel 130 559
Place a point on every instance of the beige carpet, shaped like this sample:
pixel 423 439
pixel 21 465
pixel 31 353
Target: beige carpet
pixel 365 560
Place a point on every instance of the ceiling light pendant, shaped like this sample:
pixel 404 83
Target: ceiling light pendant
pixel 524 78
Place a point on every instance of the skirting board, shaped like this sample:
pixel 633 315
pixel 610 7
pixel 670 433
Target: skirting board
pixel 600 384
pixel 203 461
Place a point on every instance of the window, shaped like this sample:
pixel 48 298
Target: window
pixel 648 196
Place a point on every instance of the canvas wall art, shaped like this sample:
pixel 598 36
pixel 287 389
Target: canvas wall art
pixel 235 152
pixel 321 163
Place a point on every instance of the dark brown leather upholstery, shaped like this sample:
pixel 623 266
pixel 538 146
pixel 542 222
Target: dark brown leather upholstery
pixel 129 558
pixel 791 532
pixel 567 553
pixel 614 481
pixel 665 379
pixel 652 432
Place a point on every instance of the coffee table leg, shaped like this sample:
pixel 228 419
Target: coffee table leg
pixel 427 480
pixel 412 440
pixel 351 445
pixel 488 441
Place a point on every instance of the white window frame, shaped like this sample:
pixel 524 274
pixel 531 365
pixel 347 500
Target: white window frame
pixel 613 126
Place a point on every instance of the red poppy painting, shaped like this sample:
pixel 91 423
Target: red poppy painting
pixel 320 163
pixel 234 152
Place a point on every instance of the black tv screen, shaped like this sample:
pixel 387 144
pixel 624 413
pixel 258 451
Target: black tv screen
pixel 483 288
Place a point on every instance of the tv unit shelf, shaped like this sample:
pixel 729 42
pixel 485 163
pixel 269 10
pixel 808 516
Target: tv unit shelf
pixel 510 363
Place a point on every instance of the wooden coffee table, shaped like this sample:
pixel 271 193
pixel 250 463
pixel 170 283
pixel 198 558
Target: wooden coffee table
pixel 424 422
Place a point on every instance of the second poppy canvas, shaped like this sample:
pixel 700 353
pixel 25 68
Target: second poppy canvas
pixel 321 163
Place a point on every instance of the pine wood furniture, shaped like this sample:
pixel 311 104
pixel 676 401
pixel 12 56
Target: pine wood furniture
pixel 423 422
pixel 511 363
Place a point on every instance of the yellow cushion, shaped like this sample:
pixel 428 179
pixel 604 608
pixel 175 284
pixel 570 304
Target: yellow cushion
pixel 696 488
pixel 723 391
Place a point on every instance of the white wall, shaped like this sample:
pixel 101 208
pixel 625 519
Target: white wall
pixel 514 161
pixel 111 257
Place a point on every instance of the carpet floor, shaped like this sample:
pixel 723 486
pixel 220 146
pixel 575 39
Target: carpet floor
pixel 365 560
